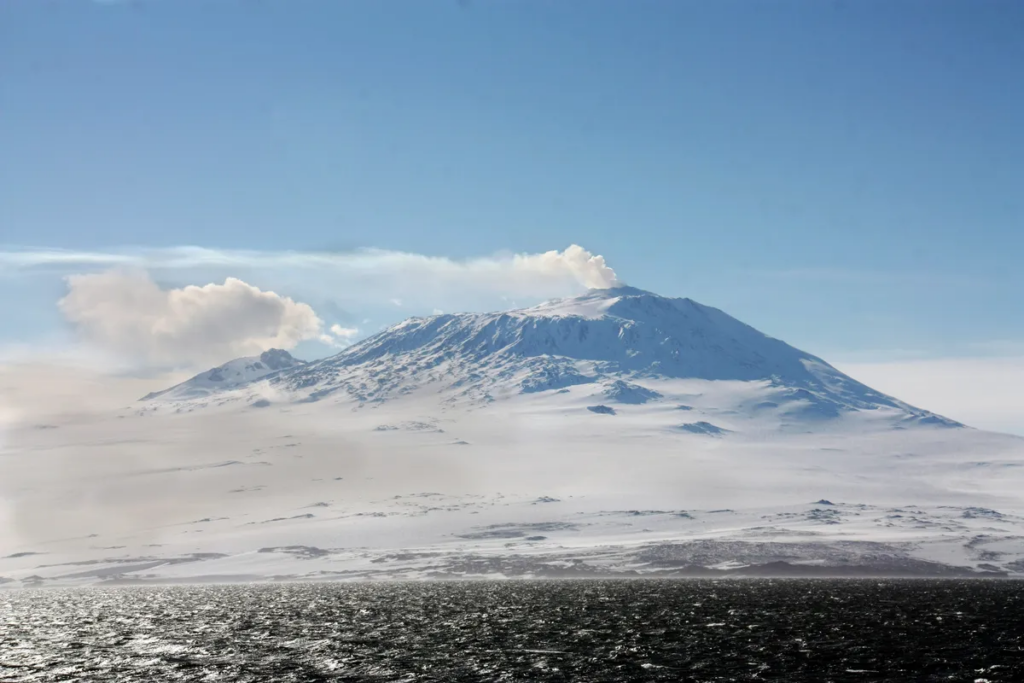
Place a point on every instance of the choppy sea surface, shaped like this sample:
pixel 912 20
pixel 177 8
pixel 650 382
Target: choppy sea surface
pixel 682 630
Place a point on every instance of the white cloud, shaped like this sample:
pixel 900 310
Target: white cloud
pixel 346 333
pixel 128 314
pixel 983 392
pixel 516 272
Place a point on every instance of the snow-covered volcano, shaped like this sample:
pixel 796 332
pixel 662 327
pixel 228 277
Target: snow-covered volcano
pixel 618 432
pixel 619 345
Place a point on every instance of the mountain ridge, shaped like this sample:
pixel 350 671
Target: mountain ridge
pixel 231 375
pixel 619 335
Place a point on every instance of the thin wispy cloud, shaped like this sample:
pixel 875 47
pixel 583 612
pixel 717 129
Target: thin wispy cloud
pixel 575 262
pixel 854 276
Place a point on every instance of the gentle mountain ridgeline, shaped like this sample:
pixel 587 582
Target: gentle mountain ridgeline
pixel 623 345
pixel 232 375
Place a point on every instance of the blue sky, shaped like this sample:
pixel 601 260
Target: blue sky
pixel 844 175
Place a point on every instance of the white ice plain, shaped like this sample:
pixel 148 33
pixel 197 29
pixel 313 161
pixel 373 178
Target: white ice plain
pixel 619 433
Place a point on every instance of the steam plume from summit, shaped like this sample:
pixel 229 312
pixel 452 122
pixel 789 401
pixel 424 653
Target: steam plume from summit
pixel 589 269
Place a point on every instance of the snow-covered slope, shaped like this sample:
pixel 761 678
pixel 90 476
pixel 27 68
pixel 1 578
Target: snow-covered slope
pixel 231 375
pixel 615 340
pixel 615 433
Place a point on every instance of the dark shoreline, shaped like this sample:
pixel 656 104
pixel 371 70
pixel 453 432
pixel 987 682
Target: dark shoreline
pixel 761 573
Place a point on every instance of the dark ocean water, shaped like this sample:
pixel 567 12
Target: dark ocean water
pixel 684 630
